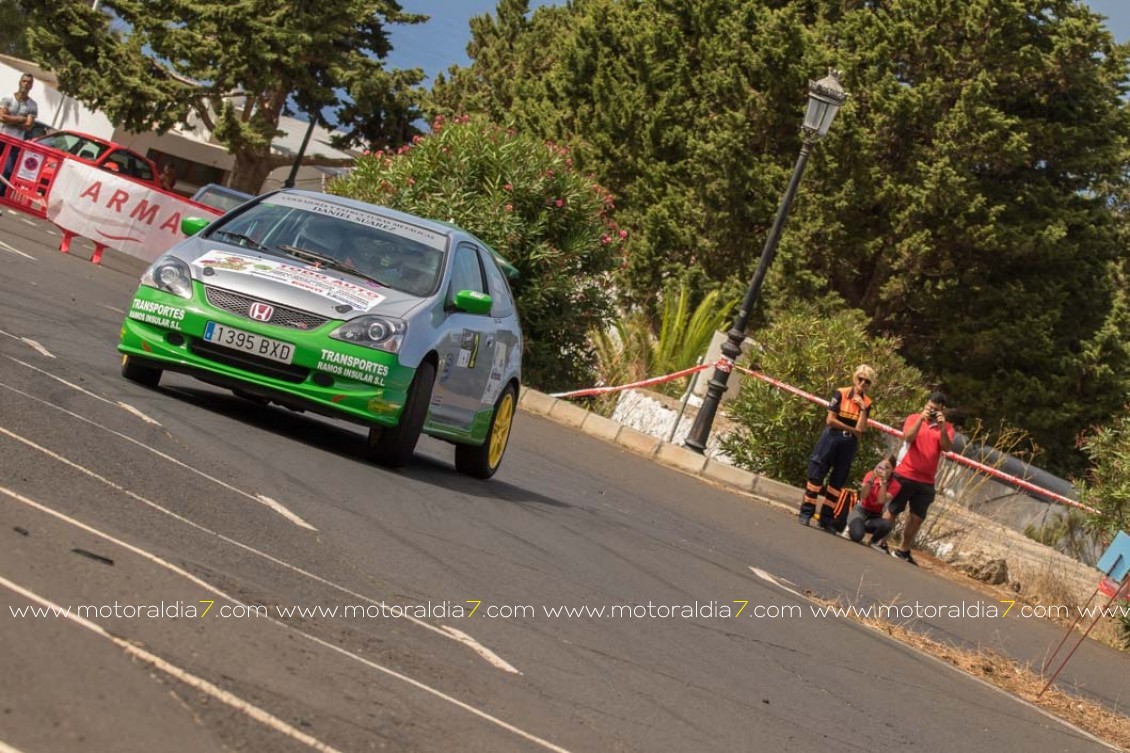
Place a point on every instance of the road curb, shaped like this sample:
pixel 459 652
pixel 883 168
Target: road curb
pixel 671 455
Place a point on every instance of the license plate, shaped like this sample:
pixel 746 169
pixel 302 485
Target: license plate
pixel 249 342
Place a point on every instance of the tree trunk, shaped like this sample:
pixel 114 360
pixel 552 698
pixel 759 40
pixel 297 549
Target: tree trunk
pixel 252 166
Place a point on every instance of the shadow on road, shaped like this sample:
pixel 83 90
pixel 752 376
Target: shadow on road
pixel 326 435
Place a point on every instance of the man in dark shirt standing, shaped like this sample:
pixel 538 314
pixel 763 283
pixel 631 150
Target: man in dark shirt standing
pixel 835 449
pixel 17 114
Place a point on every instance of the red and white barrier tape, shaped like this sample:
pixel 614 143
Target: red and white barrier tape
pixel 981 467
pixel 591 391
pixel 726 364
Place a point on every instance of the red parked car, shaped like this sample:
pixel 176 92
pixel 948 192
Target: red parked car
pixel 98 152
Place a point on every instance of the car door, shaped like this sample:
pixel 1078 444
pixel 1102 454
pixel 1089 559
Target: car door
pixel 507 335
pixel 466 347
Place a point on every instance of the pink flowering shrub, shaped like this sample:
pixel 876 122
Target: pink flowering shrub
pixel 523 198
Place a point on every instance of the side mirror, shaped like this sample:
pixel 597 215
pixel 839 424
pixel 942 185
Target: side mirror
pixel 192 225
pixel 473 302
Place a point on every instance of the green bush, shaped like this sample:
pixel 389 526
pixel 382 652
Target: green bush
pixel 816 350
pixel 523 197
pixel 1107 485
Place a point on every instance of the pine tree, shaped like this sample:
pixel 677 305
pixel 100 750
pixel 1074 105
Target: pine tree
pixel 967 199
pixel 236 65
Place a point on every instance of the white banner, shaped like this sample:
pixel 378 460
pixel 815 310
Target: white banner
pixel 118 213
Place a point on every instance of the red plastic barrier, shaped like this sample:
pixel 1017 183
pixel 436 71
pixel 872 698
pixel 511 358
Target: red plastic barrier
pixel 24 189
pixel 34 176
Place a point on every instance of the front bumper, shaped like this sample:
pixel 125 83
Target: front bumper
pixel 325 375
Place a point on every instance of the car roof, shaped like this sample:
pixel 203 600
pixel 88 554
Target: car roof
pixel 217 188
pixel 86 136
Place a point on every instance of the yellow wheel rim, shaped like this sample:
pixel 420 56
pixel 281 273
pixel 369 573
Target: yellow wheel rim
pixel 500 432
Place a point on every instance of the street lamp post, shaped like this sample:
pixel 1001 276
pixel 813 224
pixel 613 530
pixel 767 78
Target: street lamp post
pixel 289 182
pixel 825 97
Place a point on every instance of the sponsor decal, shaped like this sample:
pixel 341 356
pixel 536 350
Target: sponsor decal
pixel 302 278
pixel 352 367
pixel 380 406
pixel 494 381
pixel 448 360
pixel 468 349
pixel 159 314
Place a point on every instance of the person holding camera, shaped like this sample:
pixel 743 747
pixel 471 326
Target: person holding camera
pixel 927 435
pixel 835 449
pixel 866 517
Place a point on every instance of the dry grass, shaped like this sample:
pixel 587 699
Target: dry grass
pixel 1012 677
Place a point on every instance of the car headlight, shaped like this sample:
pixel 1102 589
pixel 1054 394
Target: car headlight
pixel 377 332
pixel 171 275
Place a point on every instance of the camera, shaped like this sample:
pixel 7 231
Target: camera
pixel 932 414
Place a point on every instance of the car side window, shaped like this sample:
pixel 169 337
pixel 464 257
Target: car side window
pixel 466 272
pixel 499 289
pixel 121 159
pixel 140 168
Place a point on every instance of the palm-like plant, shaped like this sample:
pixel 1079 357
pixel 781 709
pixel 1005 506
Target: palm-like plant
pixel 631 351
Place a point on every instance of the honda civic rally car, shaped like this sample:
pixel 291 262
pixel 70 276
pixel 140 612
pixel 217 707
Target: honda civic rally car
pixel 349 310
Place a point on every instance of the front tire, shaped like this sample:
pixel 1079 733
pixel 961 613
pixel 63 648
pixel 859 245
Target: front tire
pixel 146 376
pixel 392 446
pixel 483 461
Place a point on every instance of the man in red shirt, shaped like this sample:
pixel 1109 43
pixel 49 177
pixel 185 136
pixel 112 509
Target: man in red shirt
pixel 927 435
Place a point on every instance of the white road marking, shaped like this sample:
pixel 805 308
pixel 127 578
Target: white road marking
pixel 776 582
pixel 5 748
pixel 284 512
pixel 491 657
pixel 290 516
pixel 445 631
pixel 230 699
pixel 130 409
pixel 28 341
pixel 115 310
pixel 215 590
pixel 124 406
pixel 42 350
pixel 6 247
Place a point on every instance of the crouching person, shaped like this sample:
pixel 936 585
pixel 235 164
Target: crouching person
pixel 866 517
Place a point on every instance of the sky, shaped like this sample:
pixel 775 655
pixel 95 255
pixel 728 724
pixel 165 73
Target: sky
pixel 442 41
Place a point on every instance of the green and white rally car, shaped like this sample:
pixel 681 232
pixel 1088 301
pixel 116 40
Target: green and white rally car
pixel 342 308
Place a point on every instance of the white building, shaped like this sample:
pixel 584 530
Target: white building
pixel 198 159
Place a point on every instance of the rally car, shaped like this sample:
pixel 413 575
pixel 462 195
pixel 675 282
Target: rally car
pixel 346 309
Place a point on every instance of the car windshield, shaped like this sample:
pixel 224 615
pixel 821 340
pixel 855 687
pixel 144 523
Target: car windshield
pixel 75 144
pixel 394 253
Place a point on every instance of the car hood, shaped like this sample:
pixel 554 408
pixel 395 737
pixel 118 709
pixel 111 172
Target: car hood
pixel 293 283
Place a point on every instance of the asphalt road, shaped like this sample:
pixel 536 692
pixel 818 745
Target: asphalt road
pixel 147 507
